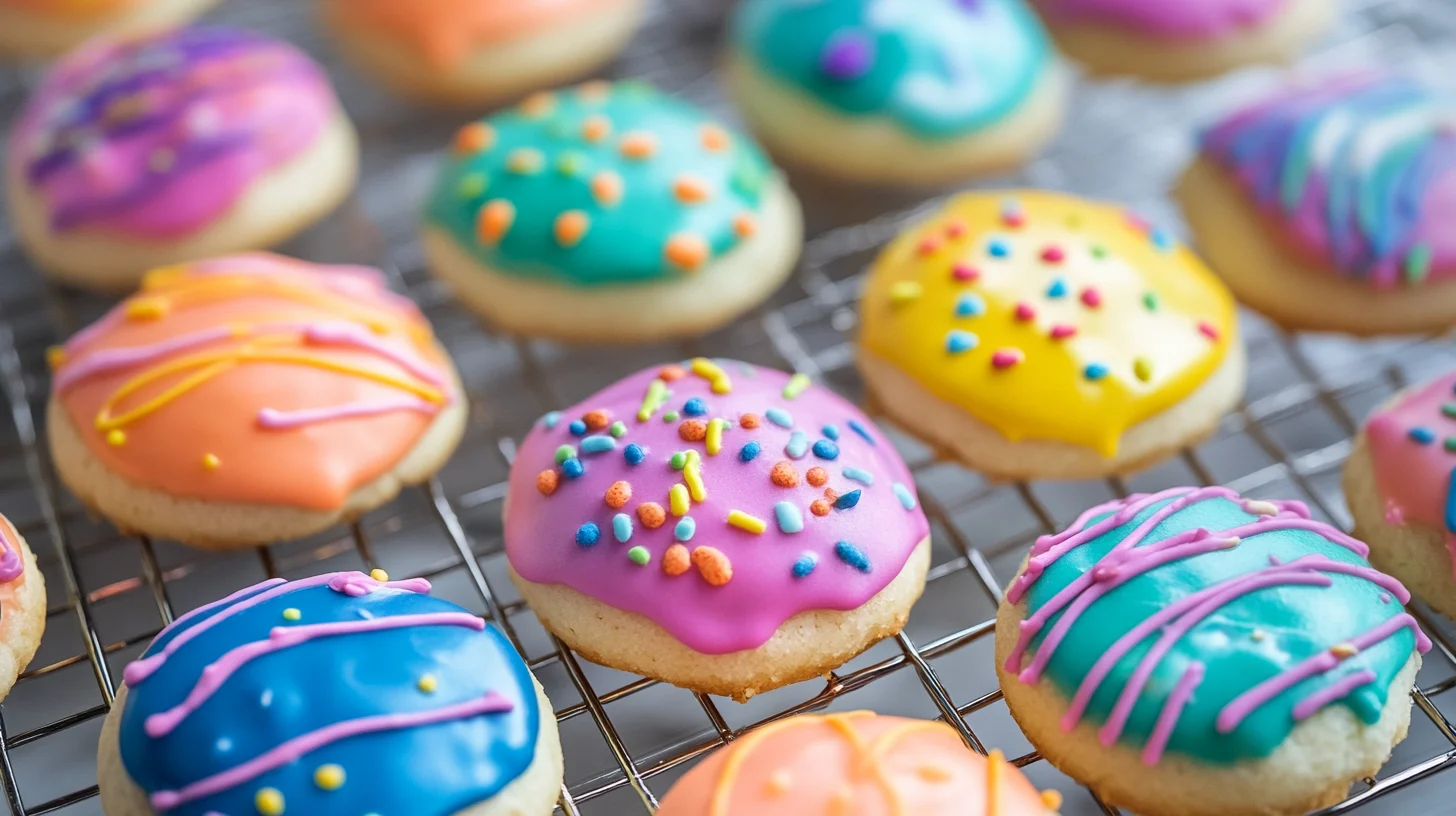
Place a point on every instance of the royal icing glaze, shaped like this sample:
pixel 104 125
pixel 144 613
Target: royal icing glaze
pixel 341 693
pixel 940 68
pixel 856 762
pixel 599 184
pixel 715 498
pixel 1046 316
pixel 158 136
pixel 1413 448
pixel 1355 173
pixel 1197 622
pixel 1186 19
pixel 255 378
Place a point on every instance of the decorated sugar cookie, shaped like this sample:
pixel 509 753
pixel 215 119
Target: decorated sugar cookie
pixel 1325 206
pixel 251 398
pixel 1400 483
pixel 43 28
pixel 340 693
pixel 715 525
pixel 478 51
pixel 22 605
pixel 1037 335
pixel 609 213
pixel 917 92
pixel 1195 653
pixel 855 763
pixel 1186 39
pixel 141 152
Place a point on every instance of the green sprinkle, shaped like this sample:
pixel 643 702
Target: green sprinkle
pixel 473 185
pixel 1450 444
pixel 565 452
pixel 1449 409
pixel 292 614
pixel 1142 368
pixel 795 386
pixel 1099 251
pixel 1150 300
pixel 670 416
pixel 571 163
pixel 618 429
pixel 1418 263
pixel 678 461
pixel 639 555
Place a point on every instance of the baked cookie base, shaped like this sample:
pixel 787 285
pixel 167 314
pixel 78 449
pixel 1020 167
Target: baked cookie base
pixel 22 618
pixel 805 646
pixel 29 35
pixel 689 304
pixel 274 208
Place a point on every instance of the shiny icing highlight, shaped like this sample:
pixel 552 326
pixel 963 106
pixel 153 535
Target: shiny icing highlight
pixel 1181 19
pixel 1413 448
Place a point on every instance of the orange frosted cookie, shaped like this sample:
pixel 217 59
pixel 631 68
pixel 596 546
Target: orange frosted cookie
pixel 1037 335
pixel 855 764
pixel 22 605
pixel 251 398
pixel 42 28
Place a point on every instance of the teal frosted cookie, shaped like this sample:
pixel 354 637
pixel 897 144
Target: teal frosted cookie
pixel 609 212
pixel 896 91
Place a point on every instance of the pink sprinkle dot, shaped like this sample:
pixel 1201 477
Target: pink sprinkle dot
pixel 1024 311
pixel 1091 297
pixel 955 229
pixel 962 272
pixel 1013 219
pixel 1053 254
pixel 1062 331
pixel 1007 357
pixel 1207 330
pixel 929 246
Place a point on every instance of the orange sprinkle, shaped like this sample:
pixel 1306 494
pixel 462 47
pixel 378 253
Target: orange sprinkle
pixel 929 246
pixel 538 104
pixel 606 188
pixel 686 251
pixel 638 145
pixel 55 357
pixel 525 160
pixel 596 90
pixel 473 138
pixel 715 138
pixel 817 476
pixel 691 189
pixel 676 560
pixel 693 430
pixel 820 507
pixel 672 372
pixel 596 128
pixel 546 482
pixel 651 515
pixel 713 564
pixel 745 225
pixel 618 494
pixel 495 221
pixel 570 226
pixel 597 420
pixel 784 474
pixel 749 421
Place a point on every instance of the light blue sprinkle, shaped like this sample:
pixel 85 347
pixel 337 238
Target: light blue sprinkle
pixel 854 425
pixel 598 444
pixel 824 449
pixel 551 419
pixel 573 468
pixel 798 445
pixel 588 534
pixel 1161 239
pixel 1422 436
pixel 998 248
pixel 970 305
pixel 790 519
pixel 634 454
pixel 749 452
pixel 830 431
pixel 1094 371
pixel 852 555
pixel 1058 289
pixel 855 474
pixel 685 529
pixel 779 417
pixel 905 495
pixel 847 500
pixel 577 427
pixel 957 341
pixel 622 527
pixel 805 565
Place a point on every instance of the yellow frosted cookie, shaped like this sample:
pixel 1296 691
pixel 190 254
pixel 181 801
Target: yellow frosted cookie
pixel 1037 335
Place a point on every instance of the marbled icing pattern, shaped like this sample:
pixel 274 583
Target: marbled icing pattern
pixel 1174 19
pixel 1413 447
pixel 334 694
pixel 1356 173
pixel 785 498
pixel 939 68
pixel 156 137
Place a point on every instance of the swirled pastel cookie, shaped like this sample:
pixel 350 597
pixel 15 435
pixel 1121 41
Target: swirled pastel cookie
pixel 471 52
pixel 1400 483
pixel 22 605
pixel 856 764
pixel 1037 335
pixel 1326 206
pixel 715 525
pixel 1195 653
pixel 609 213
pixel 136 153
pixel 249 399
pixel 337 694
pixel 1184 39
pixel 41 28
pixel 896 92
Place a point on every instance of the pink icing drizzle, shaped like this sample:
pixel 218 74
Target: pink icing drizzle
pixel 1309 706
pixel 11 564
pixel 274 419
pixel 1414 479
pixel 1181 19
pixel 1172 708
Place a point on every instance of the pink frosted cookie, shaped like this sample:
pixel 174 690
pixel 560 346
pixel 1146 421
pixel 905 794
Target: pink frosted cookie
pixel 1400 483
pixel 715 525
pixel 138 153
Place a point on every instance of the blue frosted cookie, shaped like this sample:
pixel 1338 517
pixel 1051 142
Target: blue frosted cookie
pixel 584 207
pixel 338 694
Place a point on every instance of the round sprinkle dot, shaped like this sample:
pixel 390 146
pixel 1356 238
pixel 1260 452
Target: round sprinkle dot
pixel 691 189
pixel 578 427
pixel 964 273
pixel 596 128
pixel 779 417
pixel 852 555
pixel 929 246
pixel 686 528
pixel 1150 301
pixel 749 421
pixel 695 407
pixel 955 229
pixel 565 452
pixel 1421 436
pixel 670 416
pixel 1006 358
pixel 820 507
pixel 210 461
pixel 825 449
pixel 957 341
pixel 671 373
pixel 713 565
pixel 970 305
pixel 634 454
pixel 998 248
pixel 269 802
pixel 783 474
pixel 329 777
pixel 818 476
pixel 292 614
pixel 607 188
pixel 617 429
pixel 618 494
pixel 1053 254
pixel 473 138
pixel 472 185
pixel 1025 312
pixel 1099 251
pixel 1142 368
pixel 805 564
pixel 622 527
pixel 639 556
pixel 573 468
pixel 428 683
pixel 848 56
pixel 686 251
pixel 745 225
pixel 1091 298
pixel 678 460
pixel 571 163
pixel 1061 331
pixel 379 575
pixel 693 430
pixel 525 161
pixel 748 452
pixel 714 138
pixel 789 518
pixel 831 431
pixel 115 437
pixel 1094 371
pixel 1058 289
pixel 638 144
pixel 587 535
pixel 546 482
pixel 570 227
pixel 676 560
pixel 651 515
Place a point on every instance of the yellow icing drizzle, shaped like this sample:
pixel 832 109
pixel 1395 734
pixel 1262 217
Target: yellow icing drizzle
pixel 1047 316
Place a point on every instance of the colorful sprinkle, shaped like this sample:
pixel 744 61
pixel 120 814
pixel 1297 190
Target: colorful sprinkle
pixel 748 421
pixel 745 522
pixel 1161 239
pixel 929 246
pixel 677 499
pixel 965 273
pixel 1061 331
pixel 606 188
pixel 820 507
pixel 1142 368
pixel 670 416
pixel 849 55
pixel 714 138
pixel 745 225
pixel 638 144
pixel 1418 263
pixel 634 454
pixel 857 427
pixel 817 476
pixel 617 429
pixel 1207 330
pixel 831 431
pixel 472 185
pixel 695 407
pixel 694 478
pixel 1450 445
pixel 571 163
pixel 525 161
pixel 970 305
pixel 852 555
pixel 855 474
pixel 998 248
pixel 957 341
pixel 905 495
pixel 473 138
pixel 538 104
pixel 292 614
pixel 1095 371
pixel 676 560
pixel 1006 358
pixel 714 441
pixel 825 449
pixel 573 468
pixel 749 451
pixel 1053 254
pixel 577 427
pixel 797 446
pixel 691 189
pixel 848 500
pixel 678 460
pixel 903 293
pixel 639 556
pixel 551 420
pixel 587 535
pixel 714 374
pixel 1091 297
pixel 789 518
pixel 1150 301
pixel 651 515
pixel 1058 289
pixel 494 221
pixel 713 565
pixel 779 417
pixel 428 683
pixel 210 461
pixel 686 251
pixel 693 430
pixel 671 373
pixel 596 128
pixel 598 444
pixel 656 396
pixel 805 564
pixel 329 777
pixel 1449 410
pixel 1024 311
pixel 622 527
pixel 570 227
pixel 269 802
pixel 546 482
pixel 685 529
pixel 783 474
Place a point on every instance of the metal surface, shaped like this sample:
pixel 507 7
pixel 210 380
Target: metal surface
pixel 628 739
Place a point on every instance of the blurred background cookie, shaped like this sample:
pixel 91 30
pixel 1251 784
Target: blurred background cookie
pixel 44 28
pixel 22 605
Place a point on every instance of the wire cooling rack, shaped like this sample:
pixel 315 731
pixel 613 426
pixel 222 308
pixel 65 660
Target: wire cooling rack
pixel 627 739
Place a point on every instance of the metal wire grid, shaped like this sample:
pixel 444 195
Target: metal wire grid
pixel 1288 439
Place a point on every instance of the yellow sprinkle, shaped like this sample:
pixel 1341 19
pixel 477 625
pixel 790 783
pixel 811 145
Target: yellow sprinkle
pixel 1052 799
pixel 292 614
pixel 269 802
pixel 656 396
pixel 743 521
pixel 709 370
pixel 692 474
pixel 1344 650
pixel 904 292
pixel 329 777
pixel 55 357
pixel 677 500
pixel 210 461
pixel 379 575
pixel 933 773
pixel 1142 367
pixel 116 436
pixel 995 766
pixel 428 684
pixel 796 385
pixel 147 308
pixel 714 441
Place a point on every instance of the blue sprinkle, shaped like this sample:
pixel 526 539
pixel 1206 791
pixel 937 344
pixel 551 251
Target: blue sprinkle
pixel 1057 289
pixel 573 468
pixel 748 452
pixel 852 555
pixel 588 534
pixel 551 419
pixel 855 474
pixel 695 407
pixel 854 425
pixel 830 431
pixel 905 495
pixel 634 454
pixel 685 529
pixel 998 248
pixel 1161 239
pixel 805 565
pixel 598 444
pixel 622 527
pixel 1421 436
pixel 791 520
pixel 1094 371
pixel 577 427
pixel 847 500
pixel 824 449
pixel 798 445
pixel 970 305
pixel 957 341
pixel 779 417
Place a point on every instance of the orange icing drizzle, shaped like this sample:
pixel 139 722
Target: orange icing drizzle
pixel 255 379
